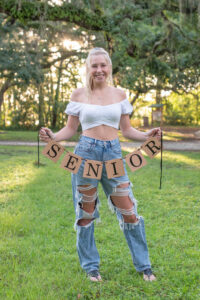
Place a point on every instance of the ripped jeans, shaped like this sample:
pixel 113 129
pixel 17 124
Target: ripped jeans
pixel 92 149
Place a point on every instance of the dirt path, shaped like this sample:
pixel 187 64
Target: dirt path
pixel 128 146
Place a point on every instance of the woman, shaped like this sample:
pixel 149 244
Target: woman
pixel 101 109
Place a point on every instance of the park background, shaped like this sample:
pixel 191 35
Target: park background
pixel 155 50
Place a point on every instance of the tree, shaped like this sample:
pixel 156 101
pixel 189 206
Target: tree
pixel 153 44
pixel 26 56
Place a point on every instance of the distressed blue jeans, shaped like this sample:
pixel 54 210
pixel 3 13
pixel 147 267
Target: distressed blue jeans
pixel 92 149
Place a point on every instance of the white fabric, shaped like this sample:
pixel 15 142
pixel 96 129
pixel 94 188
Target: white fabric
pixel 91 115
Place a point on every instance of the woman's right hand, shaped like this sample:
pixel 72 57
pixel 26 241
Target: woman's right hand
pixel 46 134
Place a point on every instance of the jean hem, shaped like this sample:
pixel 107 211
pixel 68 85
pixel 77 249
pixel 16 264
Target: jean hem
pixel 140 270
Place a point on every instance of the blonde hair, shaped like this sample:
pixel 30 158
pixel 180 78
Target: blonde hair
pixel 89 81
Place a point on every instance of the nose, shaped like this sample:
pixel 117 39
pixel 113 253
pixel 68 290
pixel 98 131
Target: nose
pixel 99 69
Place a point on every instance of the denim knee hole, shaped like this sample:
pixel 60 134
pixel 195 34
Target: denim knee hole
pixel 83 198
pixel 124 191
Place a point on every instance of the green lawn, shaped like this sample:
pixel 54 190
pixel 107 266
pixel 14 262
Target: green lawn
pixel 38 258
pixel 27 136
pixel 31 136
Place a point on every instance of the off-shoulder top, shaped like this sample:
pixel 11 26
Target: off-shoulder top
pixel 91 115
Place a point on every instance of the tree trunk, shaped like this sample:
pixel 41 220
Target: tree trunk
pixel 51 98
pixel 197 108
pixel 56 99
pixel 133 101
pixel 41 105
pixel 3 89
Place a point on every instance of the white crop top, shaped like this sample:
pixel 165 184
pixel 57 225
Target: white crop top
pixel 91 115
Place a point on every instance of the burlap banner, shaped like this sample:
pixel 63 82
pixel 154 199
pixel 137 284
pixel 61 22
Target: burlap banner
pixel 93 168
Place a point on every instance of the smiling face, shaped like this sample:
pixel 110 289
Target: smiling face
pixel 99 69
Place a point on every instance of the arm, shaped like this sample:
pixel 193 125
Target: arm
pixel 72 123
pixel 64 134
pixel 134 134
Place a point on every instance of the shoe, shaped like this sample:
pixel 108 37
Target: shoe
pixel 148 275
pixel 94 275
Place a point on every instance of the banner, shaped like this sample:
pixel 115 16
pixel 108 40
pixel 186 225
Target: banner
pixel 53 151
pixel 114 168
pixel 93 168
pixel 135 160
pixel 71 162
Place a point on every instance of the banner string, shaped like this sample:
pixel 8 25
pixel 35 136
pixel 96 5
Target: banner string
pixel 139 148
pixel 65 150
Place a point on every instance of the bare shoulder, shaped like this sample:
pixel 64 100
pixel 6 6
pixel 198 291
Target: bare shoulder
pixel 120 95
pixel 78 95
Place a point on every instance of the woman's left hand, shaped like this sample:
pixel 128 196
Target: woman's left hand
pixel 155 132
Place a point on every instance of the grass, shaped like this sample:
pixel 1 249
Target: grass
pixel 9 135
pixel 24 136
pixel 31 136
pixel 38 258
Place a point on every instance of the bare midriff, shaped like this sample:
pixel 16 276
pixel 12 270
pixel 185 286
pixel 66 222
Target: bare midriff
pixel 102 132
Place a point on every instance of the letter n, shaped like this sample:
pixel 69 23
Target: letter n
pixel 93 169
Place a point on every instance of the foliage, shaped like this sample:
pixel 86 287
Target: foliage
pixel 16 62
pixel 154 45
pixel 182 109
pixel 32 88
pixel 38 242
